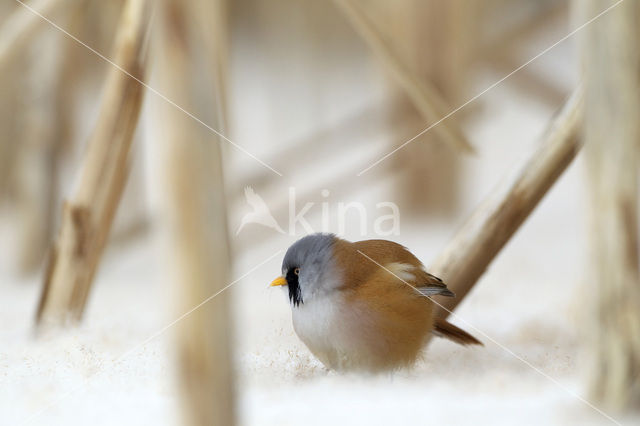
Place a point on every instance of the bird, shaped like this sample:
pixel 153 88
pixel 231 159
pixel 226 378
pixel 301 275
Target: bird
pixel 260 214
pixel 363 306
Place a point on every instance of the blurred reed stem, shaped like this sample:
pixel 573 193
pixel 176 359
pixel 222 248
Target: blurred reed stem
pixel 191 68
pixel 422 94
pixel 23 24
pixel 611 53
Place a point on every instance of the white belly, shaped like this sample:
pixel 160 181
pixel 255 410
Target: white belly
pixel 324 324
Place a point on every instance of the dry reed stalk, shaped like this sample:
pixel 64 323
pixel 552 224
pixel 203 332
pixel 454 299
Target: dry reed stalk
pixel 612 132
pixel 88 214
pixel 494 222
pixel 24 24
pixel 45 130
pixel 433 39
pixel 36 151
pixel 9 94
pixel 16 30
pixel 503 51
pixel 424 97
pixel 445 37
pixel 193 55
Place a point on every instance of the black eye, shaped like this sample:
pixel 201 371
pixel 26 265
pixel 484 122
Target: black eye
pixel 296 271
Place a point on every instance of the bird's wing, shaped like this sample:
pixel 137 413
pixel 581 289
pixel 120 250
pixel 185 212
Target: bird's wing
pixel 255 200
pixel 402 263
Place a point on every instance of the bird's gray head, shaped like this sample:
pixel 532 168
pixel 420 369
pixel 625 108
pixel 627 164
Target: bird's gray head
pixel 309 268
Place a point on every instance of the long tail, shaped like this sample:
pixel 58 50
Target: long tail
pixel 442 328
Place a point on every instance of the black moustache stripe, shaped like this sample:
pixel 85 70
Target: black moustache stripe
pixel 295 295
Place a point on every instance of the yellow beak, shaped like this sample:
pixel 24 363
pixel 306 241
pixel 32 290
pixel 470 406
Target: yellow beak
pixel 278 281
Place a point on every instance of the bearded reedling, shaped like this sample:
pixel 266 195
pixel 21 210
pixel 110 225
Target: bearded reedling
pixel 363 306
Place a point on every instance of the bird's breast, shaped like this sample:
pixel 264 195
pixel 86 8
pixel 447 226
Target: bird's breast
pixel 315 321
pixel 332 330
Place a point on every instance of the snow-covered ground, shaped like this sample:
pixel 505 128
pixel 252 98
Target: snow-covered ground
pixel 527 309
